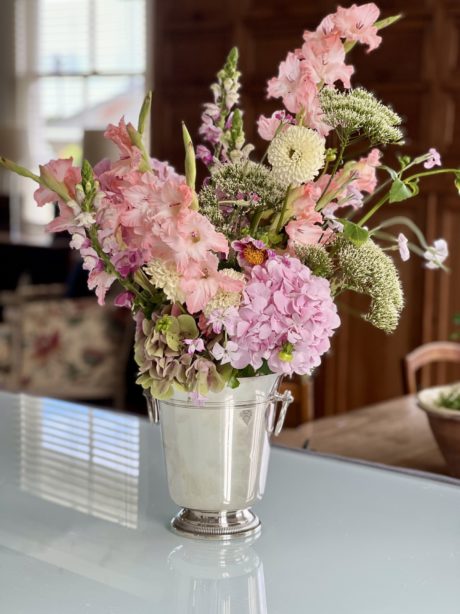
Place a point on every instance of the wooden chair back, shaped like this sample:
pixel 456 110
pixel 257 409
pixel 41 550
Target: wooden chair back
pixel 436 351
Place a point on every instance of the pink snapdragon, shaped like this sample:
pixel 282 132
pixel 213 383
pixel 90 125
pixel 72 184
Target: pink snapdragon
pixel 286 318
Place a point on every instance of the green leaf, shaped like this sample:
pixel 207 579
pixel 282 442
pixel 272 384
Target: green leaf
pixel 388 21
pixel 402 191
pixel 457 182
pixel 354 233
pixel 187 326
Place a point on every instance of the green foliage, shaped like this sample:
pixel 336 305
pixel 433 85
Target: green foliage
pixel 450 400
pixel 354 233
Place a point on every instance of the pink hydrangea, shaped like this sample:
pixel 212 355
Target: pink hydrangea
pixel 286 318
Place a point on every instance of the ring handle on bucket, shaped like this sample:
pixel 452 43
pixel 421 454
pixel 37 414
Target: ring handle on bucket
pixel 152 407
pixel 285 399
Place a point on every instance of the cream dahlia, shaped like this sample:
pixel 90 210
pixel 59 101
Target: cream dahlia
pixel 296 155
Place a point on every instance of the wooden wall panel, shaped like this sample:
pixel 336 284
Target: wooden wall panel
pixel 416 69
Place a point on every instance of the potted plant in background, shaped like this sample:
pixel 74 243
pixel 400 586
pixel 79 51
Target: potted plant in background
pixel 233 283
pixel 442 406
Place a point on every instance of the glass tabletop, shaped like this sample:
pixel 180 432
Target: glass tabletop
pixel 84 513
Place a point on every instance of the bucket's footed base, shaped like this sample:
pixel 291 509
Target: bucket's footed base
pixel 216 525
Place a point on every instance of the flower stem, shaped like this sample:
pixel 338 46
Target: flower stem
pixel 280 224
pixel 374 209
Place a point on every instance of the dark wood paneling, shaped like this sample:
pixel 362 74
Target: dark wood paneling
pixel 416 69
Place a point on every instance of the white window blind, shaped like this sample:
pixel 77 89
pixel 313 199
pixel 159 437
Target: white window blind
pixel 81 64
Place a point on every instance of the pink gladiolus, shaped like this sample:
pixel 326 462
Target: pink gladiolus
pixel 268 126
pixel 324 58
pixel 120 136
pixel 291 84
pixel 355 23
pixel 193 238
pixel 201 282
pixel 366 180
pixel 63 173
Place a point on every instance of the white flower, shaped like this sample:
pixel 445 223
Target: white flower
pixel 436 254
pixel 296 155
pixel 78 239
pixel 166 278
pixel 223 354
pixel 402 246
pixel 85 219
pixel 74 206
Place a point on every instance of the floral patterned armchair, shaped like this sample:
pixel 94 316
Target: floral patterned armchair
pixel 65 348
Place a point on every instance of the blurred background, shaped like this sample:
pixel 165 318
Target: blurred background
pixel 69 67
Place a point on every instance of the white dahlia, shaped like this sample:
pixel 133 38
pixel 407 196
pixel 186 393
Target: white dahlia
pixel 166 278
pixel 296 155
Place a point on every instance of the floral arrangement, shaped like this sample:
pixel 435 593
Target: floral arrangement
pixel 239 276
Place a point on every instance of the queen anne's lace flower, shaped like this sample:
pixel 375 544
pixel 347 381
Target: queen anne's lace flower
pixel 296 155
pixel 368 270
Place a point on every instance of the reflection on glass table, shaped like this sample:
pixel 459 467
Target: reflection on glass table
pixel 213 578
pixel 84 527
pixel 81 457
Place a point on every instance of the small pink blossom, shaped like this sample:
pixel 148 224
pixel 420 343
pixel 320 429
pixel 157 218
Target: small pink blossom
pixel 204 154
pixel 124 299
pixel 194 345
pixel 128 261
pixel 434 159
pixel 403 248
pixel 119 135
pixel 100 281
